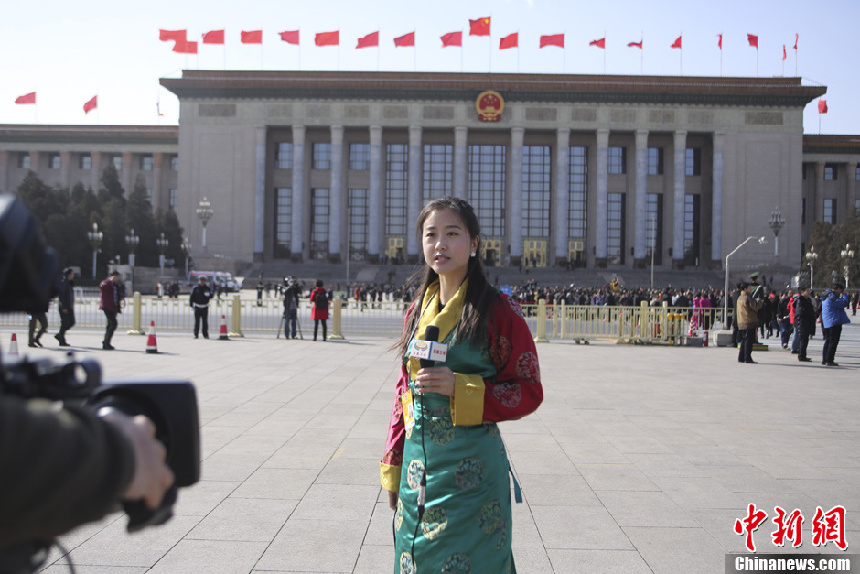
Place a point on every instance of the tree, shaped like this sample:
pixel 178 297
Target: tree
pixel 113 215
pixel 167 223
pixel 139 217
pixel 829 241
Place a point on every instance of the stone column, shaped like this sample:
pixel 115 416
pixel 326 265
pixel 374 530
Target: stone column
pixel 335 192
pixel 561 229
pixel 639 245
pixel 34 161
pixel 461 155
pixel 818 197
pixel 717 208
pixel 4 172
pixel 157 187
pixel 297 235
pixel 413 198
pixel 127 182
pixel 65 169
pixel 95 171
pixel 516 188
pixel 679 186
pixel 374 232
pixel 259 191
pixel 600 241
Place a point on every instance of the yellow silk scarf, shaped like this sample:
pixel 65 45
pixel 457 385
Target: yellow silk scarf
pixel 446 319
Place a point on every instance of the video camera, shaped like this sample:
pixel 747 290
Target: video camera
pixel 28 279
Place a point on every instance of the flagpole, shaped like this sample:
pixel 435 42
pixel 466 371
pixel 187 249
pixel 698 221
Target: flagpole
pixel 604 52
pixel 224 53
pixel 682 53
pixel 796 38
pixel 414 54
pixel 756 61
pixel 518 51
pixel 642 53
pixel 721 54
pixel 261 54
pixel 490 48
pixel 377 56
pixel 564 55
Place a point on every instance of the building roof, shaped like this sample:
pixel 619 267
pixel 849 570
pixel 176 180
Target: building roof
pixel 831 144
pixel 552 88
pixel 74 134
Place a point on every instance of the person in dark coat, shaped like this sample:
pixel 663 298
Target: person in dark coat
pixel 804 322
pixel 39 316
pixel 291 308
pixel 199 300
pixel 66 305
pixel 109 303
pixel 319 308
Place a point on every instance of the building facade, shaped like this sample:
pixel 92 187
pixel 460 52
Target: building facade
pixel 593 171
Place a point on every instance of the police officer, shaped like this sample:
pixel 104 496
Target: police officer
pixel 200 297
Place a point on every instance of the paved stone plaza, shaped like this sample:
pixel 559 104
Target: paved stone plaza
pixel 640 459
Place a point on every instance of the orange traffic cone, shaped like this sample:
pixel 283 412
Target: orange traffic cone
pixel 13 346
pixel 151 345
pixel 223 336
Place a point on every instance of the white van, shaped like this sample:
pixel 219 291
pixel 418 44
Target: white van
pixel 216 279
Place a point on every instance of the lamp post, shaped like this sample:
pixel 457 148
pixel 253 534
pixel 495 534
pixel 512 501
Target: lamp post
pixel 776 222
pixel 96 237
pixel 811 256
pixel 161 242
pixel 761 241
pixel 204 214
pixel 186 245
pixel 131 240
pixel 653 246
pixel 847 256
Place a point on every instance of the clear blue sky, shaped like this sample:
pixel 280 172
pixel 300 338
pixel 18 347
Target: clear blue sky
pixel 69 51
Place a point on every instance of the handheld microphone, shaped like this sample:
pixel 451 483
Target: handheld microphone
pixel 431 333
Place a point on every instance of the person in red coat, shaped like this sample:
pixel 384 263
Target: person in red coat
pixel 110 305
pixel 319 308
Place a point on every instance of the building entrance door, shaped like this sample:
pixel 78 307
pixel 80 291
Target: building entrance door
pixel 491 251
pixel 534 252
pixel 576 253
pixel 395 250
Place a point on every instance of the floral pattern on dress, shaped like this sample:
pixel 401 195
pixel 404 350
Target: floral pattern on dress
pixel 501 351
pixel 398 516
pixel 407 566
pixel 469 473
pixel 414 474
pixel 434 522
pixel 509 394
pixel 515 306
pixel 441 426
pixel 457 564
pixel 393 457
pixel 528 368
pixel 491 522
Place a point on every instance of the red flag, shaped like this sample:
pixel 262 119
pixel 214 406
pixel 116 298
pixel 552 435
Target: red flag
pixel 369 41
pixel 796 38
pixel 510 41
pixel 328 38
pixel 452 39
pixel 405 41
pixel 720 41
pixel 174 35
pixel 753 40
pixel 26 98
pixel 601 43
pixel 185 47
pixel 822 106
pixel 635 44
pixel 214 37
pixel 94 102
pixel 479 27
pixel 554 40
pixel 677 43
pixel 290 37
pixel 252 37
pixel 784 53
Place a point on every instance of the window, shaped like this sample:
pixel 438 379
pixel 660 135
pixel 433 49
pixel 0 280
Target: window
pixel 857 207
pixel 487 185
pixel 86 161
pixel 655 161
pixel 693 161
pixel 319 223
pixel 829 211
pixel 803 171
pixel 321 156
pixel 396 184
pixel 615 228
pixel 284 156
pixel 283 222
pixel 578 191
pixel 359 213
pixel 148 195
pixel 147 162
pixel 537 192
pixel 857 174
pixel 24 160
pixel 829 171
pixel 654 228
pixel 438 171
pixel 691 229
pixel 359 156
pixel 172 199
pixel 174 163
pixel 617 160
pixel 802 211
pixel 117 162
pixel 54 161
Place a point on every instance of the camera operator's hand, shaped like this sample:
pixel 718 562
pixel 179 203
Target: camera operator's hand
pixel 152 477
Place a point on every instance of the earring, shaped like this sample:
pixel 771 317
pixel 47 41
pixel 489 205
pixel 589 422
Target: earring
pixel 472 254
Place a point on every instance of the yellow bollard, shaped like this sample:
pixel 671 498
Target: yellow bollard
pixel 136 321
pixel 336 307
pixel 541 323
pixel 236 318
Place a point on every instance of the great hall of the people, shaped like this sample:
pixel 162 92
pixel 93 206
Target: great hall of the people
pixel 596 171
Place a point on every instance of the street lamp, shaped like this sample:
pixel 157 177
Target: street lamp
pixel 186 245
pixel 761 241
pixel 811 256
pixel 161 242
pixel 776 222
pixel 847 256
pixel 653 246
pixel 96 237
pixel 204 214
pixel 132 240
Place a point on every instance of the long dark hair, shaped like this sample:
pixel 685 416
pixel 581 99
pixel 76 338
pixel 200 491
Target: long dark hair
pixel 479 295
